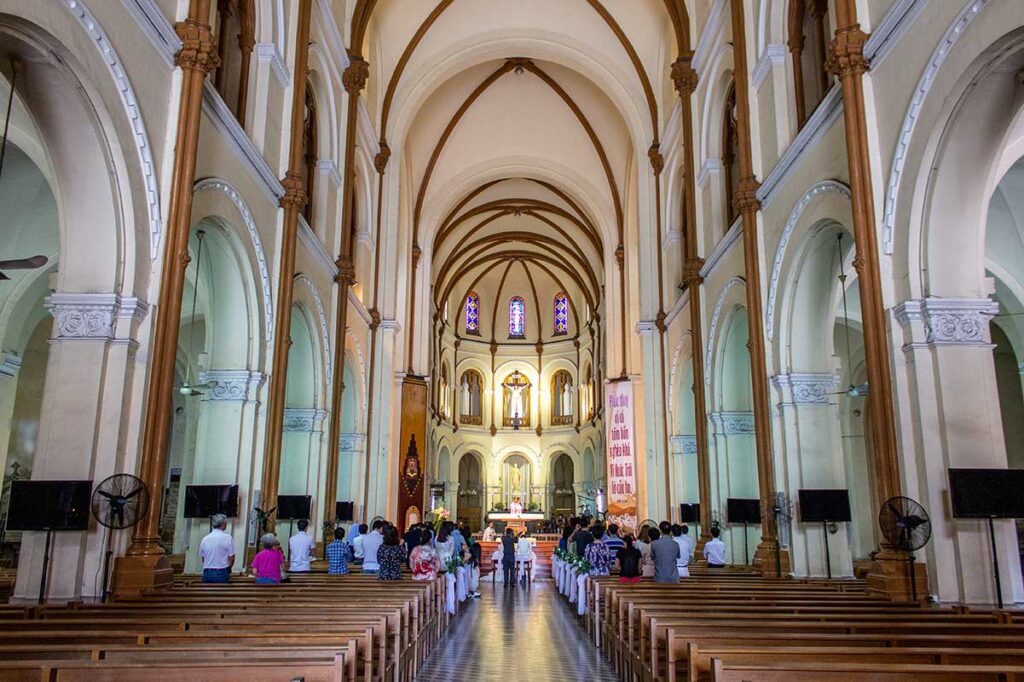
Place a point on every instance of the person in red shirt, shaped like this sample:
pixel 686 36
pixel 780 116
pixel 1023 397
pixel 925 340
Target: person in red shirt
pixel 267 564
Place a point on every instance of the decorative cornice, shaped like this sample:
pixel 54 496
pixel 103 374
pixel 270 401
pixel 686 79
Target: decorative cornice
pixel 684 445
pixel 806 388
pixel 304 419
pixel 268 53
pixel 10 364
pixel 93 317
pixel 226 188
pixel 391 326
pixel 157 28
pixel 224 120
pixel 824 187
pixel 233 385
pixel 821 121
pixel 645 327
pixel 131 105
pixel 732 423
pixel 773 55
pixel 947 321
pixel 938 57
pixel 351 442
pixel 887 33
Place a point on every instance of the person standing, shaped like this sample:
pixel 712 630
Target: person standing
pixel 581 539
pixel 339 553
pixel 597 553
pixel 371 544
pixel 643 544
pixel 445 543
pixel 301 547
pixel 217 552
pixel 489 534
pixel 508 557
pixel 357 544
pixel 474 561
pixel 613 540
pixel 714 550
pixel 679 534
pixel 664 554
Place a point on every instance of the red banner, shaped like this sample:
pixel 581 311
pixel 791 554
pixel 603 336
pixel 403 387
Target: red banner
pixel 622 493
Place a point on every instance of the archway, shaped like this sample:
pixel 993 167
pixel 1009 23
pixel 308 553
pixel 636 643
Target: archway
pixel 563 475
pixel 516 480
pixel 471 491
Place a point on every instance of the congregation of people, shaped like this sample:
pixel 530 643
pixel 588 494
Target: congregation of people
pixel 423 551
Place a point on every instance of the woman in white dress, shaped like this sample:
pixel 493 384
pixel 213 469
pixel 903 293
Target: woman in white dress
pixel 444 543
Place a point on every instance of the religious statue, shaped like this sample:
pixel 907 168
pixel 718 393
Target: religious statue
pixel 566 399
pixel 466 406
pixel 515 478
pixel 516 384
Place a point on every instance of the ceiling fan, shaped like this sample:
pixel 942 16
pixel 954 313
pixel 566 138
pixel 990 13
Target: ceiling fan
pixel 188 388
pixel 858 390
pixel 17 263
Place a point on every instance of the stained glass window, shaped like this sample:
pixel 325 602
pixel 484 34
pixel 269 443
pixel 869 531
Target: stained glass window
pixel 517 317
pixel 472 313
pixel 561 313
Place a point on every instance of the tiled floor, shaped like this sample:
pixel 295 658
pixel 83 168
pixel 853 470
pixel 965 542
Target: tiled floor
pixel 523 634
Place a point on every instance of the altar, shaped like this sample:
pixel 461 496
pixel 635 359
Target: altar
pixel 515 521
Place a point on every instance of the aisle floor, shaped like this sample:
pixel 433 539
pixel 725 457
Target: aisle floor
pixel 521 633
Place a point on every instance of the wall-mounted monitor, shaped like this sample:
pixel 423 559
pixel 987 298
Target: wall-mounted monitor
pixel 49 505
pixel 203 501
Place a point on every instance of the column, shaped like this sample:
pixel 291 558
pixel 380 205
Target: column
pixel 375 481
pixel 293 201
pixel 10 364
pixel 145 566
pixel 947 361
pixel 658 476
pixel 86 398
pixel 810 436
pixel 770 558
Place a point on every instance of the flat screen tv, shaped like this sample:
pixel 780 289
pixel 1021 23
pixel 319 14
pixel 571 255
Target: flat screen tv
pixel 689 512
pixel 344 510
pixel 49 505
pixel 291 507
pixel 987 493
pixel 818 506
pixel 741 510
pixel 203 501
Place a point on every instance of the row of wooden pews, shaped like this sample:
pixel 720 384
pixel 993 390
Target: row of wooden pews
pixel 732 627
pixel 314 628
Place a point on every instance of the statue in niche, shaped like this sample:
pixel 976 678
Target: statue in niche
pixel 516 392
pixel 566 399
pixel 465 395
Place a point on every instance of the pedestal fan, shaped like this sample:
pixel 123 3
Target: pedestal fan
pixel 906 526
pixel 118 502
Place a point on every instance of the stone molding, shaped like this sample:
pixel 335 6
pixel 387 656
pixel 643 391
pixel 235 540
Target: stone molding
pixel 947 321
pixel 233 385
pixel 268 52
pixel 806 388
pixel 304 419
pixel 10 365
pixel 645 327
pixel 93 317
pixel 351 442
pixel 728 423
pixel 685 444
pixel 772 55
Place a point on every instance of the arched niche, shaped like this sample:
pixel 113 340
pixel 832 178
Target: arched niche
pixel 563 475
pixel 472 490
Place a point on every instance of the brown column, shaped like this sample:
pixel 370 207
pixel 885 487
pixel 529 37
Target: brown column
pixel 890 575
pixel 768 558
pixel 292 202
pixel 354 80
pixel 685 79
pixel 246 42
pixel 145 566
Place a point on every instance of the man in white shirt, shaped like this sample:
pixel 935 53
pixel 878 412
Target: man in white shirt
pixel 301 547
pixel 371 543
pixel 357 543
pixel 714 550
pixel 681 536
pixel 489 532
pixel 217 552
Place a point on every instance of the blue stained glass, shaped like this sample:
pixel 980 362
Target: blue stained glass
pixel 561 314
pixel 472 313
pixel 516 317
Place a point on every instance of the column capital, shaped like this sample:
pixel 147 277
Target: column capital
pixel 733 423
pixel 806 388
pixel 684 444
pixel 93 317
pixel 935 321
pixel 354 77
pixel 746 199
pixel 683 75
pixel 380 160
pixel 691 270
pixel 351 442
pixel 656 159
pixel 304 419
pixel 233 385
pixel 294 196
pixel 846 54
pixel 10 364
pixel 198 48
pixel 346 271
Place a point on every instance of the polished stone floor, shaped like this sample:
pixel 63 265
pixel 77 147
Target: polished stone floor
pixel 521 634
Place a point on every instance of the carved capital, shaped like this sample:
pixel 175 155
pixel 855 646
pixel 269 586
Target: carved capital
pixel 294 196
pixel 683 75
pixel 657 160
pixel 374 318
pixel 620 256
pixel 539 346
pixel 494 347
pixel 416 253
pixel 745 199
pixel 846 55
pixel 494 430
pixel 380 161
pixel 691 270
pixel 354 77
pixel 198 48
pixel 458 343
pixel 659 321
pixel 346 271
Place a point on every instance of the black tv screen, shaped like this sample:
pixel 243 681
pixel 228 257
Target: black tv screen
pixel 49 505
pixel 987 493
pixel 817 506
pixel 741 510
pixel 203 501
pixel 293 507
pixel 344 510
pixel 689 512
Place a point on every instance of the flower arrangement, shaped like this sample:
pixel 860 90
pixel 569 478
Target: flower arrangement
pixel 440 516
pixel 452 564
pixel 571 558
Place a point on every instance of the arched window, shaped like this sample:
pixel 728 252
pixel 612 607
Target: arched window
pixel 730 155
pixel 516 318
pixel 561 314
pixel 471 389
pixel 472 313
pixel 561 398
pixel 808 43
pixel 236 36
pixel 309 154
